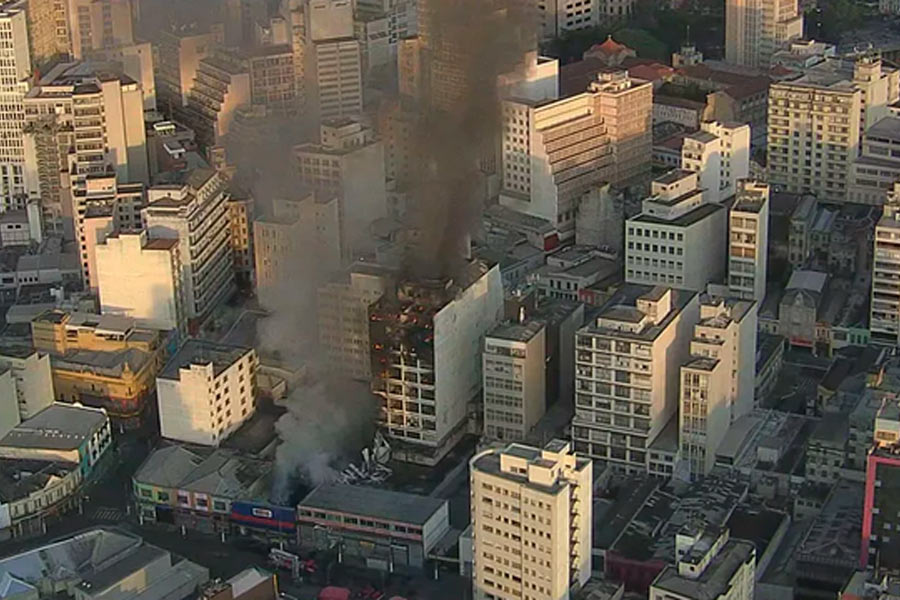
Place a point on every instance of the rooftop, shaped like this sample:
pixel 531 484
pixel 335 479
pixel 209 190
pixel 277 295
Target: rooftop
pixel 203 352
pixel 516 332
pixel 622 305
pixel 21 478
pixel 715 581
pixel 685 220
pixel 887 128
pixel 372 502
pixel 59 427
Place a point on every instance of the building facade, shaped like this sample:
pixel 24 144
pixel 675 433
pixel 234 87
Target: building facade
pixel 748 241
pixel 756 29
pixel 544 498
pixel 30 370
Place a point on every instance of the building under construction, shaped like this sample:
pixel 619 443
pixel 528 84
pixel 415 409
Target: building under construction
pixel 426 337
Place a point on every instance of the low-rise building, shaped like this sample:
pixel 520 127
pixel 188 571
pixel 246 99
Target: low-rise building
pixel 64 432
pixel 378 528
pixel 33 492
pixel 206 391
pixel 177 485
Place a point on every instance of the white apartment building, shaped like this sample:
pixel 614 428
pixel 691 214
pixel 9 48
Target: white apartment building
pixel 884 321
pixel 748 241
pixel 717 382
pixel 720 153
pixel 709 566
pixel 298 233
pixel 426 342
pixel 515 379
pixel 9 408
pixel 334 67
pixel 140 278
pixel 816 124
pixel 541 499
pixel 627 373
pixel 343 319
pixel 14 84
pixel 626 105
pixel 118 205
pixel 196 214
pixel 206 391
pixel 678 239
pixel 347 164
pixel 756 29
pixel 552 153
pixel 32 377
pixel 221 86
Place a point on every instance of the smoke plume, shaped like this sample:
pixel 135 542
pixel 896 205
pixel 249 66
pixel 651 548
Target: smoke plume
pixel 466 45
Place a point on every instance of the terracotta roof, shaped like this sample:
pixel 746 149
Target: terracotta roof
pixel 610 46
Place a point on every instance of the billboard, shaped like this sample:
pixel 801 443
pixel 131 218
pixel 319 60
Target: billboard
pixel 264 516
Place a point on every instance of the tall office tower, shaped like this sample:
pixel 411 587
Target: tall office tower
pixel 102 195
pixel 756 29
pixel 240 19
pixel 402 16
pixel 626 106
pixel 881 514
pixel 720 153
pixel 884 321
pixel 343 319
pixel 240 226
pixel 99 24
pixel 551 154
pixel 348 164
pixel 179 54
pixel 426 340
pixel 272 79
pixel 627 373
pixel 677 239
pixel 292 13
pixel 515 379
pixel 817 122
pixel 221 86
pixel 748 241
pixel 140 278
pixel 543 498
pixel 333 60
pixel 196 213
pixel 14 83
pixel 717 381
pixel 709 565
pixel 81 123
pixel 308 226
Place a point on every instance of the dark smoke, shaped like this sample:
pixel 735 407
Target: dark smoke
pixel 469 44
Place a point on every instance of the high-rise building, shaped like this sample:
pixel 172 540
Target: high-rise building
pixel 140 278
pixel 309 226
pixel 627 373
pixel 343 319
pixel 206 391
pixel 542 498
pixel 221 86
pixel 14 83
pixel 560 16
pixel 678 239
pixel 552 153
pixel 48 28
pixel 240 227
pixel 102 195
pixel 347 164
pixel 884 321
pixel 817 121
pixel 748 241
pixel 878 165
pixel 720 153
pixel 426 338
pixel 626 105
pixel 717 382
pixel 178 56
pixel 515 379
pixel 99 24
pixel 334 60
pixel 80 123
pixel 273 82
pixel 196 214
pixel 709 566
pixel 756 29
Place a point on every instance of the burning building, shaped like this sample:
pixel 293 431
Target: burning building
pixel 426 338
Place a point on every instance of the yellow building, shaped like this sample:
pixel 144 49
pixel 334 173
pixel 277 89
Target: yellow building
pixel 101 360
